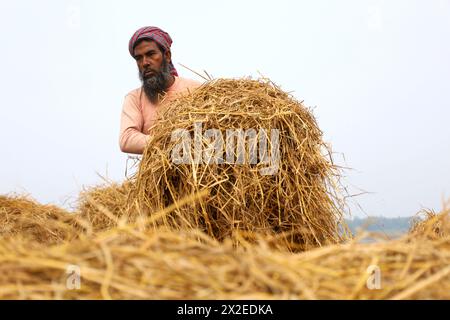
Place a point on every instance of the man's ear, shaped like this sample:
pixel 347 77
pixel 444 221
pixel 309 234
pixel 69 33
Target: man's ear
pixel 168 56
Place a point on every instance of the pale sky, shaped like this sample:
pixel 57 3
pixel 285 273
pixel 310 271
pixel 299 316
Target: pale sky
pixel 376 72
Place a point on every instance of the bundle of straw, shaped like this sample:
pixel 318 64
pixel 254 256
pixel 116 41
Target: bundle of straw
pixel 125 263
pixel 298 196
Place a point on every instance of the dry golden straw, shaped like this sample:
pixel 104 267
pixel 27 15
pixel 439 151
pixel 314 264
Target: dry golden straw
pixel 125 263
pixel 22 215
pixel 105 205
pixel 301 200
pixel 429 224
pixel 99 208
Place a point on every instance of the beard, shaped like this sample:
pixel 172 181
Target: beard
pixel 155 85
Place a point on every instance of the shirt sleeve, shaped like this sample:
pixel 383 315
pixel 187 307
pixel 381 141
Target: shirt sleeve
pixel 132 140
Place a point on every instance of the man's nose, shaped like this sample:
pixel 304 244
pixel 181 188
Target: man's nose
pixel 146 62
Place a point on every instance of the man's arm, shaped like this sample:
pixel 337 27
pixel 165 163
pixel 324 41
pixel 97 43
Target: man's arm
pixel 132 140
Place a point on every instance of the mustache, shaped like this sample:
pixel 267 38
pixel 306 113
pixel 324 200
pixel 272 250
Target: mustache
pixel 142 74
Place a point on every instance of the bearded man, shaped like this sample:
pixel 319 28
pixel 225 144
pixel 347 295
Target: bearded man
pixel 150 47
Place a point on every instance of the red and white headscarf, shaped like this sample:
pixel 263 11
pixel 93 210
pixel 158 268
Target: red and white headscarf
pixel 157 35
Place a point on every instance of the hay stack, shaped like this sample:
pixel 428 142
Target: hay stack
pixel 125 263
pixel 428 223
pixel 104 205
pixel 299 199
pixel 99 208
pixel 48 224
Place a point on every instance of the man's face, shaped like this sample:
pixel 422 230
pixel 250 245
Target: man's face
pixel 149 58
pixel 154 70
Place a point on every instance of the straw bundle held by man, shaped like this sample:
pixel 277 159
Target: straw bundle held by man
pixel 283 182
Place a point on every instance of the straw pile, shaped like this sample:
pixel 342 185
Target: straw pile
pixel 21 215
pixel 103 206
pixel 428 223
pixel 298 199
pixel 125 263
pixel 99 208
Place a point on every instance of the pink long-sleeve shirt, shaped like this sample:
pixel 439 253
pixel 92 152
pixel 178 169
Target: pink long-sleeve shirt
pixel 139 114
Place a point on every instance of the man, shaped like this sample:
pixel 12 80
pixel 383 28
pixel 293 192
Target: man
pixel 150 47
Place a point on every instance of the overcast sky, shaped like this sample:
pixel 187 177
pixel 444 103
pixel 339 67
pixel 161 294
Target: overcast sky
pixel 377 73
